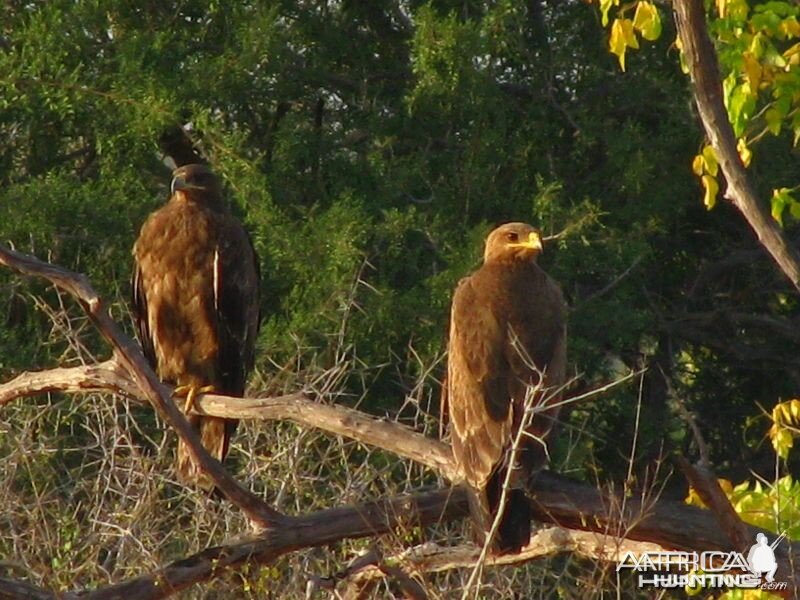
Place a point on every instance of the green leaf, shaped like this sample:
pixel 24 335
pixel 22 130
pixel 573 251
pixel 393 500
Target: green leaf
pixel 777 112
pixel 710 159
pixel 774 119
pixel 781 199
pixel 740 108
pixel 796 126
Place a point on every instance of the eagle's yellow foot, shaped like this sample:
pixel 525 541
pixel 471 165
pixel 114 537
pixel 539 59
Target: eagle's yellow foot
pixel 190 392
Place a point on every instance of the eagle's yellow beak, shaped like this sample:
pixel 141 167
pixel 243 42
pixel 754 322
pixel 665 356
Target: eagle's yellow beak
pixel 534 242
pixel 179 183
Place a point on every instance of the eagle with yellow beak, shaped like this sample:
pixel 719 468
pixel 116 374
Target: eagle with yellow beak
pixel 507 354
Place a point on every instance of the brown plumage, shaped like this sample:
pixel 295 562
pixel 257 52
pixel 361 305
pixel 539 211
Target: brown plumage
pixel 507 327
pixel 195 301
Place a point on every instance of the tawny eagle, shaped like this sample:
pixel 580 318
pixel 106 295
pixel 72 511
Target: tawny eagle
pixel 507 342
pixel 196 302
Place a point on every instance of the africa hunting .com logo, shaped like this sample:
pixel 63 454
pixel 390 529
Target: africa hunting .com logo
pixel 712 569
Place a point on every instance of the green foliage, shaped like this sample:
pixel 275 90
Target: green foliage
pixel 369 147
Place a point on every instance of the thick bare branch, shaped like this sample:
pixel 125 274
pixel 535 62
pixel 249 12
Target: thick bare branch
pixel 107 376
pixel 707 486
pixel 11 589
pixel 132 360
pixel 431 558
pixel 110 376
pixel 313 530
pixel 707 86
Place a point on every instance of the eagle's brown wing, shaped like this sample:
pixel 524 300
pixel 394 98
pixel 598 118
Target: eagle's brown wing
pixel 478 400
pixel 139 306
pixel 236 294
pixel 545 333
pixel 236 301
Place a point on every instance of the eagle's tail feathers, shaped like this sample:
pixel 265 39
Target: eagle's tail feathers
pixel 214 433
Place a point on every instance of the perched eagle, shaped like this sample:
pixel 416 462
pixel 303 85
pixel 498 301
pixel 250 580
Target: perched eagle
pixel 507 340
pixel 196 302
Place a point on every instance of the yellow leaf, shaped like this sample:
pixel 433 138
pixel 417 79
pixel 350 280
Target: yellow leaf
pixel 698 165
pixel 693 498
pixel 759 45
pixel 726 486
pixel 780 200
pixel 710 158
pixel 792 54
pixel 783 443
pixel 786 413
pixel 647 21
pixel 722 5
pixel 794 406
pixel 630 36
pixel 605 6
pixel 622 37
pixel 752 70
pixel 790 27
pixel 744 152
pixel 681 55
pixel 712 187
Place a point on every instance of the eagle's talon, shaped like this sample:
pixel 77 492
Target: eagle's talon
pixel 190 392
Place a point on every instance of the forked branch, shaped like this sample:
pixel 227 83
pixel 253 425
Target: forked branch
pixel 148 385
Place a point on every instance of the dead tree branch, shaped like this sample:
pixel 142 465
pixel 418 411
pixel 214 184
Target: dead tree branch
pixel 707 87
pixel 545 542
pixel 110 376
pixel 132 360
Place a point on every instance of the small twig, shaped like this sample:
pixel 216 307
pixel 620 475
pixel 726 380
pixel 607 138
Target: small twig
pixel 412 588
pixel 688 417
pixel 608 287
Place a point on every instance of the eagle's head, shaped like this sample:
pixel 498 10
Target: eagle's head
pixel 513 241
pixel 197 183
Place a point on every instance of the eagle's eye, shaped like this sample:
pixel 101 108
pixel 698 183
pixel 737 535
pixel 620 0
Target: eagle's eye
pixel 512 237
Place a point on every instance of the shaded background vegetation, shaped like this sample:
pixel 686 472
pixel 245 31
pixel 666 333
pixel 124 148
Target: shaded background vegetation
pixel 369 147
